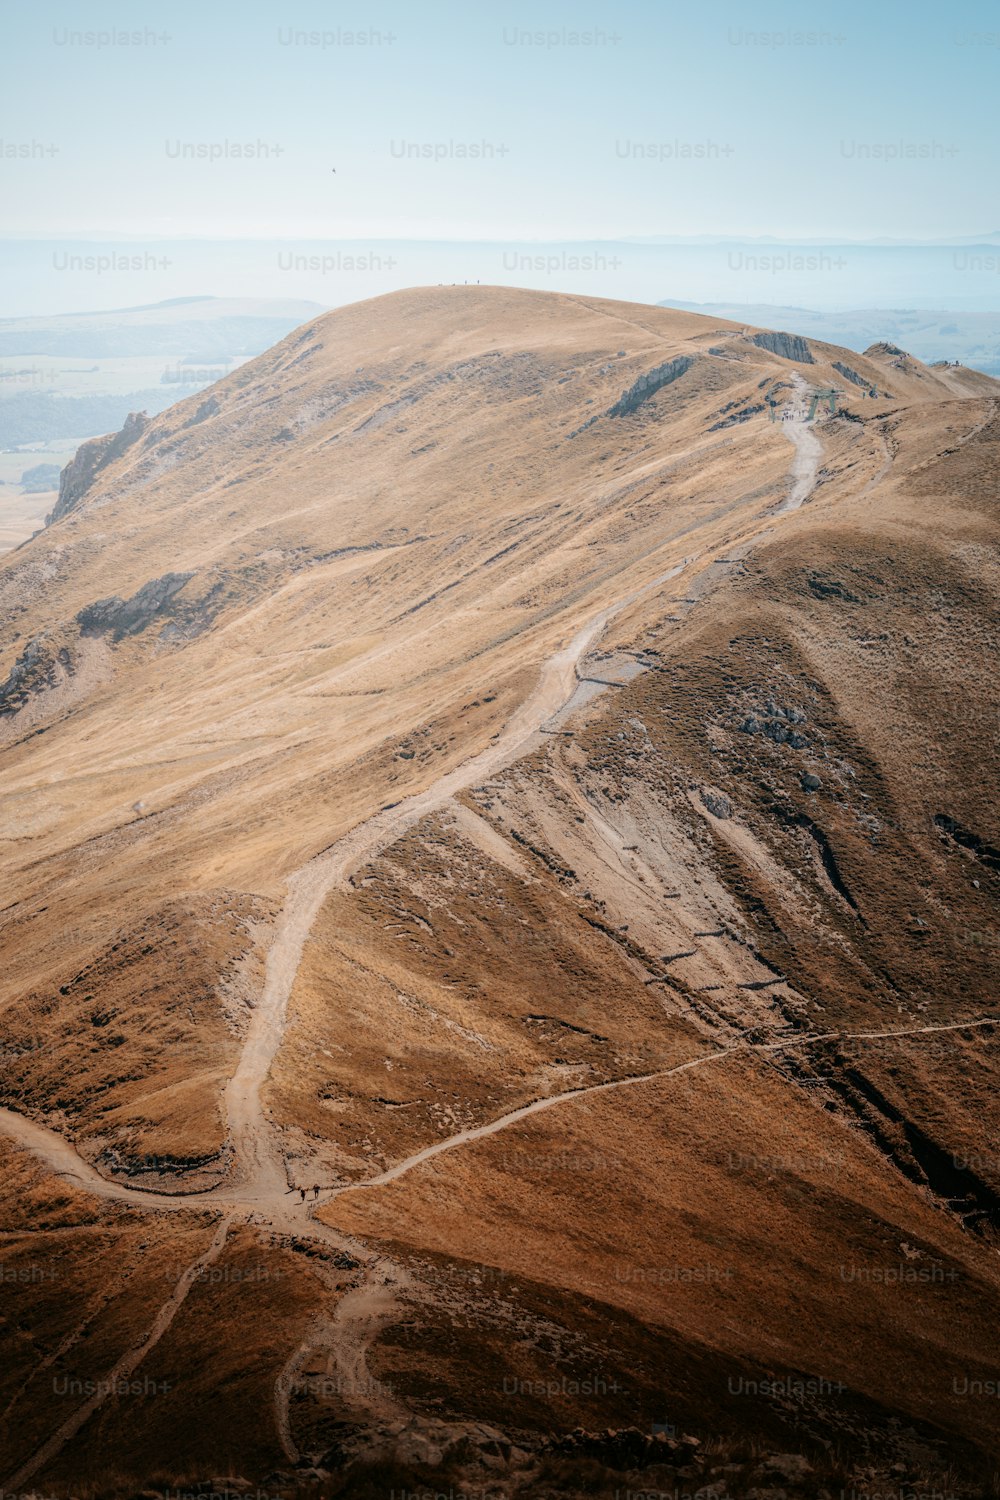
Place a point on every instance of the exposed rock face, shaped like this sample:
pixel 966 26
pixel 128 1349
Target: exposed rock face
pixel 851 375
pixel 738 416
pixel 647 385
pixel 208 408
pixel 130 616
pixel 36 668
pixel 90 458
pixel 628 1448
pixel 785 345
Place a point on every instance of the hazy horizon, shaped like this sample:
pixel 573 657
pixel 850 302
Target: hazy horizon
pixel 64 276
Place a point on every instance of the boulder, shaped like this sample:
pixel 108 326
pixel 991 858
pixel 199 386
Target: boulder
pixel 718 803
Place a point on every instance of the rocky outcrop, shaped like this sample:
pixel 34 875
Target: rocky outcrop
pixel 736 417
pixel 777 724
pixel 882 347
pixel 130 616
pixel 88 461
pixel 851 375
pixel 39 666
pixel 647 385
pixel 785 345
pixel 208 408
pixel 717 803
pixel 628 1448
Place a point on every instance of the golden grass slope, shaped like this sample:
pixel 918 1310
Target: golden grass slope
pixel 390 522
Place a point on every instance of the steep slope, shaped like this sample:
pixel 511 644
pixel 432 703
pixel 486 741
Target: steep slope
pixel 474 751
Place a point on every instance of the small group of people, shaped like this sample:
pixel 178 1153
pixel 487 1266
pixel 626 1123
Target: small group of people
pixel 302 1192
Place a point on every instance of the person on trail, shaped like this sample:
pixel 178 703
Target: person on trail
pixel 315 1191
pixel 302 1195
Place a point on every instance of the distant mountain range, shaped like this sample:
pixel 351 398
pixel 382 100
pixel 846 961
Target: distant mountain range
pixel 47 276
pixel 137 358
pixel 973 338
pixel 199 327
pixel 879 241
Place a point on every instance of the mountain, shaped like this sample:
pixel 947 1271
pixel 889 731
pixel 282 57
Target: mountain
pixel 500 956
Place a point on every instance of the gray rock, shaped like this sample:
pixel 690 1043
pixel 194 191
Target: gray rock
pixel 717 803
pixel 38 667
pixel 647 385
pixel 130 616
pixel 785 345
pixel 810 782
pixel 750 725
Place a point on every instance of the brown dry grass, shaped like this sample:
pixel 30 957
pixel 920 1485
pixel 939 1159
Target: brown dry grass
pixel 390 527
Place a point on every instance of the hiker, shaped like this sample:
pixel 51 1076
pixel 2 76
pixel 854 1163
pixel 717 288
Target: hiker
pixel 302 1195
pixel 315 1191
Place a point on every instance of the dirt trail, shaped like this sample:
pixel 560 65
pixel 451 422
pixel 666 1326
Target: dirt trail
pixel 363 1311
pixel 262 1186
pixel 123 1370
pixel 62 1156
pixel 291 1216
pixel 261 1189
pixel 256 1144
pixel 354 1327
pixel 503 1122
pixel 808 448
pixel 262 1177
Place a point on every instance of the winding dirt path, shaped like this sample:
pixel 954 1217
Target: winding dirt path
pixel 292 1217
pixel 261 1190
pixel 262 1177
pixel 503 1122
pixel 255 1141
pixel 65 1161
pixel 262 1181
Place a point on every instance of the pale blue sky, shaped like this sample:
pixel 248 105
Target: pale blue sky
pixel 750 136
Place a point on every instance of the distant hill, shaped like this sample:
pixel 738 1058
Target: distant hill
pixel 40 478
pixel 138 359
pixel 198 327
pixel 39 417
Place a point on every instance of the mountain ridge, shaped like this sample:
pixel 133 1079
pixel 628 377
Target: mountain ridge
pixel 510 774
